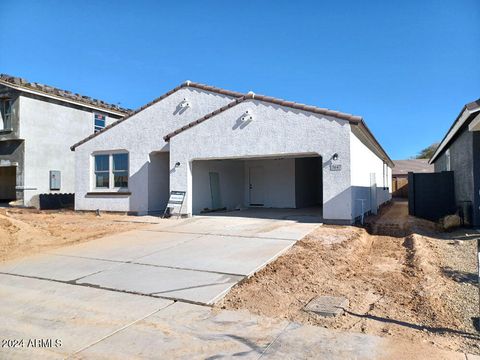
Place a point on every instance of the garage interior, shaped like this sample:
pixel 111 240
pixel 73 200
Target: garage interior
pixel 292 182
pixel 8 180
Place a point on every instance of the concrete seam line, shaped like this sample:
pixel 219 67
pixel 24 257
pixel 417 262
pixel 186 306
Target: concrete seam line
pixel 274 341
pixel 223 235
pixel 118 330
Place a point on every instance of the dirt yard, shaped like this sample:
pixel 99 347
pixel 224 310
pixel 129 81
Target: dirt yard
pixel 26 231
pixel 419 287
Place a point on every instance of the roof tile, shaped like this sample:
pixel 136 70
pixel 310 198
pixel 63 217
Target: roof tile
pixel 50 90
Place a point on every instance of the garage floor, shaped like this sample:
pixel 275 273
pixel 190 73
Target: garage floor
pixel 194 260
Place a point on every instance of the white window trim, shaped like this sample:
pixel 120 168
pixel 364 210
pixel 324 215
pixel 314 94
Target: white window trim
pixel 93 123
pixel 111 181
pixel 10 114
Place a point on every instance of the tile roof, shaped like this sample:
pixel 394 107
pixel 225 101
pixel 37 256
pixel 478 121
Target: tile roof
pixel 185 84
pixel 353 119
pixel 471 107
pixel 403 167
pixel 239 97
pixel 269 99
pixel 65 95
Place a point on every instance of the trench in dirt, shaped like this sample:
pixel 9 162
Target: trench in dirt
pixel 392 279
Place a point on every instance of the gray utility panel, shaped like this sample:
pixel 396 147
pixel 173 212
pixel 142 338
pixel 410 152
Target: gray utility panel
pixel 55 180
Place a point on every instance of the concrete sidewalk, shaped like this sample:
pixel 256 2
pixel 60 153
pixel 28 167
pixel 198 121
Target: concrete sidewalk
pixel 87 323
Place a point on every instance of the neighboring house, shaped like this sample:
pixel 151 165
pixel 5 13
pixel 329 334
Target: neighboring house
pixel 38 124
pixel 400 174
pixel 459 151
pixel 230 150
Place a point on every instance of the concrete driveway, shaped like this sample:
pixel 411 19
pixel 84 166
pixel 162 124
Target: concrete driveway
pixel 129 296
pixel 195 260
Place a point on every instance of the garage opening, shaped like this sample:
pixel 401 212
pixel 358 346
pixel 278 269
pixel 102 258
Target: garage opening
pixel 8 176
pixel 293 182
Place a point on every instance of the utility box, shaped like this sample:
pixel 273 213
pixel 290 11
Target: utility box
pixel 55 180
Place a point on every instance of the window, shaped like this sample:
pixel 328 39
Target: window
pixel 99 122
pixel 102 171
pixel 120 170
pixel 111 170
pixel 6 114
pixel 447 160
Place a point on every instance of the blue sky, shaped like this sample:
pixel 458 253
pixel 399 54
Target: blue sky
pixel 406 66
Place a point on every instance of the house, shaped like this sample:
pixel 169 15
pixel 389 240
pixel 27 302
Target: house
pixel 400 174
pixel 459 151
pixel 229 150
pixel 38 124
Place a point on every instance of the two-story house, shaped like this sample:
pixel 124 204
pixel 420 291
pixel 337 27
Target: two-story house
pixel 38 124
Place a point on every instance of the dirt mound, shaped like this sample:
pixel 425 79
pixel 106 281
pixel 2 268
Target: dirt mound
pixel 395 285
pixel 27 231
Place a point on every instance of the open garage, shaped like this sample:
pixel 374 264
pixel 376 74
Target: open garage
pixel 271 182
pixel 262 152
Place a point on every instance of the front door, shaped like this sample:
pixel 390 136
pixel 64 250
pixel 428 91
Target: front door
pixel 256 186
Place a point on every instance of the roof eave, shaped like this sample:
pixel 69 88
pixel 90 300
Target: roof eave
pixel 470 108
pixel 62 99
pixel 153 102
pixel 363 126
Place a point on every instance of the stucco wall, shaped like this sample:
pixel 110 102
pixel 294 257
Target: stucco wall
pixel 441 163
pixel 278 183
pixel 275 131
pixel 476 178
pixel 158 182
pixel 363 163
pixel 49 129
pixel 140 135
pixel 461 163
pixel 231 178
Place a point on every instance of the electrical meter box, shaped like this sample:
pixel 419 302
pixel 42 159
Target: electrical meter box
pixel 55 180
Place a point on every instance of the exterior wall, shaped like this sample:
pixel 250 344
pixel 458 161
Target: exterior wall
pixel 278 182
pixel 158 182
pixel 363 163
pixel 49 129
pixel 476 179
pixel 462 154
pixel 140 135
pixel 231 175
pixel 275 131
pixel 461 163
